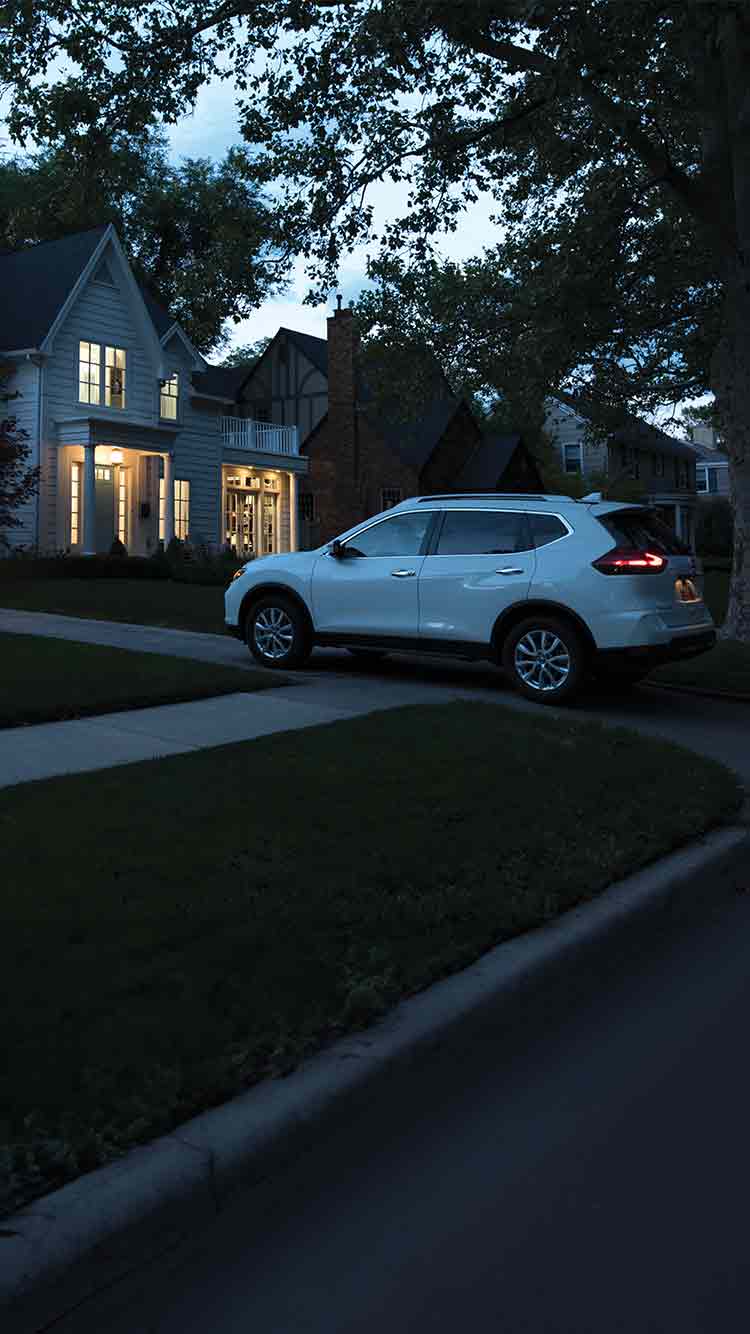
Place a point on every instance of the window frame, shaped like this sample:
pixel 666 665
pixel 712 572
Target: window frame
pixel 302 498
pixel 162 385
pixel 478 509
pixel 389 518
pixel 573 472
pixel 101 405
pixel 394 490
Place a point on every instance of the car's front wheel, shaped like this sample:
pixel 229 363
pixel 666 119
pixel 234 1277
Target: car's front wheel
pixel 277 633
pixel 545 659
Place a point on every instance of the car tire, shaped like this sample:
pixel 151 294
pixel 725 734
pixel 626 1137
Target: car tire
pixel 544 658
pixel 277 633
pixel 374 654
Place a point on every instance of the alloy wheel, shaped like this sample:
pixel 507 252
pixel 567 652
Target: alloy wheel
pixel 542 661
pixel 273 633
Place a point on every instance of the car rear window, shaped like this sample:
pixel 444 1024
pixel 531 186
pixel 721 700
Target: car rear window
pixel 643 528
pixel 483 533
pixel 546 528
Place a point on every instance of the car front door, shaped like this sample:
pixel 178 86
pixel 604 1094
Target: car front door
pixel 482 561
pixel 370 588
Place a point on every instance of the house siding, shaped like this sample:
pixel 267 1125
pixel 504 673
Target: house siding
pixel 24 380
pixel 288 387
pixel 197 451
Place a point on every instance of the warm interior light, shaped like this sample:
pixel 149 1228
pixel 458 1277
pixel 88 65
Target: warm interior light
pixel 117 456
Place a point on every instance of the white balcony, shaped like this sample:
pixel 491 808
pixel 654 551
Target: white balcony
pixel 244 433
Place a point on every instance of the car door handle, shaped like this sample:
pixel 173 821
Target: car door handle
pixel 402 574
pixel 510 569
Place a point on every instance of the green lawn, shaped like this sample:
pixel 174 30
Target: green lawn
pixel 172 932
pixel 725 667
pixel 137 601
pixel 47 679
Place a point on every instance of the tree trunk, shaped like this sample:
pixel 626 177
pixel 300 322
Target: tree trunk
pixel 732 389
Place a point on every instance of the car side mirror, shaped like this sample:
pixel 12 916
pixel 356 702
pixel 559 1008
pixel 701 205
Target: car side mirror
pixel 338 550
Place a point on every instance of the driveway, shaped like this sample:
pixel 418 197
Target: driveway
pixel 712 727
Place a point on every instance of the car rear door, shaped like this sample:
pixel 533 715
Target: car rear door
pixel 480 562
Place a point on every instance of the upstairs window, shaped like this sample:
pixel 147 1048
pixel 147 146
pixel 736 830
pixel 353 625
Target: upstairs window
pixel 97 367
pixel 168 397
pixel 89 372
pixel 114 377
pixel 573 458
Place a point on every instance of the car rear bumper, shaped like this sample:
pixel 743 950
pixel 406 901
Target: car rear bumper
pixel 650 655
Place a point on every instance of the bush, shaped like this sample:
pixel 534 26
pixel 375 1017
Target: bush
pixel 714 527
pixel 83 567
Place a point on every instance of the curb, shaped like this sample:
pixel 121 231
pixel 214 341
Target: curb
pixel 698 690
pixel 63 1249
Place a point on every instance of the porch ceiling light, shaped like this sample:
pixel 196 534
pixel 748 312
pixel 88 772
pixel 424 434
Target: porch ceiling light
pixel 117 456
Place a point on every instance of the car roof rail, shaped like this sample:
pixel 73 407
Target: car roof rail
pixel 487 495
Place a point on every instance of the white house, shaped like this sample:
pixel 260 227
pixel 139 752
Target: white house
pixel 138 438
pixel 712 464
pixel 665 466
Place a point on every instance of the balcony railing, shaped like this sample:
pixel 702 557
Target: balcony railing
pixel 244 433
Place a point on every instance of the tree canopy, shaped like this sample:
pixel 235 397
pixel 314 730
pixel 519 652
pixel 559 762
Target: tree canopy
pixel 199 235
pixel 19 480
pixel 613 134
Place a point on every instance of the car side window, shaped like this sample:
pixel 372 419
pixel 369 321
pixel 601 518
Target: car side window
pixel 546 528
pixel 403 535
pixel 483 533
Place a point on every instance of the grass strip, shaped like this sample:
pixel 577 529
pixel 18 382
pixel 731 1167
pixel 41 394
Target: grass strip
pixel 174 931
pixel 134 601
pixel 46 680
pixel 726 667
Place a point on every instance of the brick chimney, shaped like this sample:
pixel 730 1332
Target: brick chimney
pixel 342 391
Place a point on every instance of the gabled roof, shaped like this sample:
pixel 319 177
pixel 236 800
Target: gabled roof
pixel 488 462
pixel 708 455
pixel 413 441
pixel 221 381
pixel 315 349
pixel 634 431
pixel 35 284
pixel 160 316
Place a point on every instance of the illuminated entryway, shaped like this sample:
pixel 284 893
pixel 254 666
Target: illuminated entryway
pixel 253 511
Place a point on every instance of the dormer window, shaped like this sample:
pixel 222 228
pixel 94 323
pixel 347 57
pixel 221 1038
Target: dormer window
pixel 169 394
pixel 99 366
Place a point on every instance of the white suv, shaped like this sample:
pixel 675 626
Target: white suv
pixel 551 589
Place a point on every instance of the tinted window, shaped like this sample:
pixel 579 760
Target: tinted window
pixel 643 528
pixel 546 528
pixel 482 533
pixel 403 535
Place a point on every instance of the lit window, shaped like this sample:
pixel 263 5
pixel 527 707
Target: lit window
pixel 122 507
pixel 168 397
pixel 181 509
pixel 89 372
pixel 114 377
pixel 75 504
pixel 390 496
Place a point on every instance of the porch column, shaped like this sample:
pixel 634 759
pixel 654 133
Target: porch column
pixel 292 511
pixel 168 500
pixel 89 500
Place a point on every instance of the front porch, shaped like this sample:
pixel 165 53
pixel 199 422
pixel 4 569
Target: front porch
pixel 107 494
pixel 259 509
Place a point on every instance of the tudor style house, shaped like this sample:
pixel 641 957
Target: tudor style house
pixel 665 466
pixel 138 437
pixel 362 460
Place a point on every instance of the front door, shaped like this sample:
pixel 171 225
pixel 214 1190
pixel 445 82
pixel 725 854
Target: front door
pixel 105 508
pixel 371 588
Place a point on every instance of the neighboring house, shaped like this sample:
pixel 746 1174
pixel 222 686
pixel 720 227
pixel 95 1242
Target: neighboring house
pixel 711 465
pixel 138 437
pixel 665 466
pixel 362 459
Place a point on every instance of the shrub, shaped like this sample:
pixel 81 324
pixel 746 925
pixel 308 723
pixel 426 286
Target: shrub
pixel 83 567
pixel 714 527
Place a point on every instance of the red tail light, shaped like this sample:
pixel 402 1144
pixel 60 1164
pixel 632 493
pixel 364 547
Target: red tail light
pixel 627 560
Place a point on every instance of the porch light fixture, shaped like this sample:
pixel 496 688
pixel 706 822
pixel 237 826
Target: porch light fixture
pixel 117 456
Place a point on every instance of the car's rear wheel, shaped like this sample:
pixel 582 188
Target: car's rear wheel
pixel 277 633
pixel 545 659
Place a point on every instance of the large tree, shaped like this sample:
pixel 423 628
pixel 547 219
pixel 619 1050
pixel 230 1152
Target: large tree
pixel 621 127
pixel 198 234
pixel 19 479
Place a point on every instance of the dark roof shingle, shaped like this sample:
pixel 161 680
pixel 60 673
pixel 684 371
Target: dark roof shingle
pixel 35 284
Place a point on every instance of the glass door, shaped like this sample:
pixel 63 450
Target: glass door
pixel 269 525
pixel 239 522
